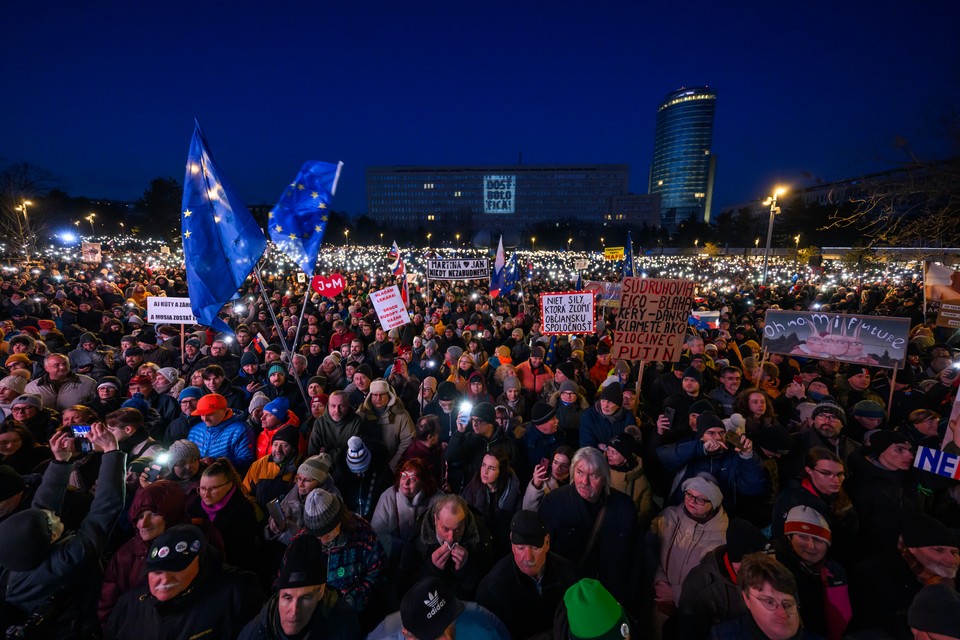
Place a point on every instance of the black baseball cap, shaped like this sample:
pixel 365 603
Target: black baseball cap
pixel 175 548
pixel 527 528
pixel 428 608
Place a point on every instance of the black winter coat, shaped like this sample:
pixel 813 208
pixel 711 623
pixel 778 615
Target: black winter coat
pixel 333 619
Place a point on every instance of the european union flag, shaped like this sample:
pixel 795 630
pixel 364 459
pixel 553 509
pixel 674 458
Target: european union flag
pixel 628 258
pixel 511 275
pixel 300 217
pixel 221 240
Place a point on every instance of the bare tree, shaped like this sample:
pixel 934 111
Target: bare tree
pixel 21 227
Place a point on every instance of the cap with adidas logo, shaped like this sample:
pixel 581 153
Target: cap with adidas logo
pixel 428 608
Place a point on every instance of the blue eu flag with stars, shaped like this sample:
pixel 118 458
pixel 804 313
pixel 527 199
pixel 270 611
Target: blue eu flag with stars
pixel 221 240
pixel 300 217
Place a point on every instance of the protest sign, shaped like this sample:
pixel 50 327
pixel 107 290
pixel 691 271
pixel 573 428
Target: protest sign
pixel 652 319
pixel 328 285
pixel 940 284
pixel 607 293
pixel 170 311
pixel 938 462
pixel 390 308
pixel 949 315
pixel 566 313
pixel 458 269
pixel 613 253
pixel 581 263
pixel 91 252
pixel 870 340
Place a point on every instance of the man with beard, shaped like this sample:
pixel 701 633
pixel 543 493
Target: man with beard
pixel 606 418
pixel 829 420
pixel 856 388
pixel 605 548
pixel 332 430
pixel 883 587
pixel 220 355
pixel 272 475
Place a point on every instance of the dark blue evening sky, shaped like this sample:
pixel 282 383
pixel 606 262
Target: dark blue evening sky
pixel 104 93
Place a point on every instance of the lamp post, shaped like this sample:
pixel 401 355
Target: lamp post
pixel 23 207
pixel 429 235
pixel 569 240
pixel 458 240
pixel 346 237
pixel 381 239
pixel 90 220
pixel 774 210
pixel 533 243
pixel 796 251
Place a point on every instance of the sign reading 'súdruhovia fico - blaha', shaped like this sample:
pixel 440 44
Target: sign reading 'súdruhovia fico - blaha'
pixel 652 319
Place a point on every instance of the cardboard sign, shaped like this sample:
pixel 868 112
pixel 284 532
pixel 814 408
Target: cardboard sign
pixel 949 315
pixel 581 263
pixel 878 341
pixel 91 252
pixel 652 319
pixel 328 285
pixel 567 313
pixel 390 308
pixel 170 311
pixel 613 253
pixel 478 269
pixel 939 462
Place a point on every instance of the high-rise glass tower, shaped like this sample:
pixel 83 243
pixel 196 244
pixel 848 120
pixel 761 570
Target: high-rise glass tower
pixel 683 165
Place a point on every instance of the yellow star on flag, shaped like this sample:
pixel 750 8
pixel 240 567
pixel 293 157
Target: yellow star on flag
pixel 292 236
pixel 318 228
pixel 187 213
pixel 278 228
pixel 323 218
pixel 322 205
pixel 314 194
pixel 186 234
pixel 270 215
pixel 300 187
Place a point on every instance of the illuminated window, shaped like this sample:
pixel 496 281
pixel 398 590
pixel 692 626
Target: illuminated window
pixel 457 194
pixel 659 183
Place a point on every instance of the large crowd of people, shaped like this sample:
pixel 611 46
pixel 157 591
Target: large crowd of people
pixel 465 475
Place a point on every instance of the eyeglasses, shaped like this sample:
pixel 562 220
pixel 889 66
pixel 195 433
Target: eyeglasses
pixel 208 490
pixel 697 500
pixel 408 475
pixel 21 409
pixel 840 475
pixel 789 606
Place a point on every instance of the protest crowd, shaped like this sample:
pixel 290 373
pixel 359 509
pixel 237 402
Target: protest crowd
pixel 464 474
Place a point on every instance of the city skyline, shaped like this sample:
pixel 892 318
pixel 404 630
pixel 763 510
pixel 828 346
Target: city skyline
pixel 105 97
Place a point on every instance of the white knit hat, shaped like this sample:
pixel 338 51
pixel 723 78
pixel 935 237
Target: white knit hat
pixel 358 456
pixel 804 519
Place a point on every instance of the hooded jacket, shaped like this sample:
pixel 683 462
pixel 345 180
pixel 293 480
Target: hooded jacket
pixel 684 542
pixel 331 620
pixel 392 427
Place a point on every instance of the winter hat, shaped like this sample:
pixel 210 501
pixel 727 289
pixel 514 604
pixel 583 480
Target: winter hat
pixel 824 381
pixel 30 399
pixel 869 409
pixel 304 564
pixel 702 405
pixel 289 434
pixel 744 538
pixel 380 386
pixel 624 444
pixel 921 530
pixel 428 608
pixel 358 456
pixel 181 451
pixel 511 382
pixel 447 391
pixel 568 385
pixel 453 354
pixel 693 372
pixel 189 392
pixel 175 548
pixel 316 467
pixel 936 609
pixel 603 349
pixel 321 512
pixel 857 370
pixel 193 342
pixel 485 411
pixel 904 376
pixel 735 422
pixel 612 393
pixel 24 540
pixel 278 407
pixel 609 380
pixel 568 369
pixel 147 336
pixel 537 352
pixel 249 357
pixel 594 614
pixel 831 406
pixel 22 358
pixel 88 338
pixel 170 373
pixel 11 482
pixel 258 401
pixel 542 413
pixel 709 420
pixel 804 519
pixel 364 370
pixel 707 486
pixel 430 383
pixel 881 440
pixel 136 402
pixel 276 368
pixel 430 344
pixel 162 497
pixel 16 383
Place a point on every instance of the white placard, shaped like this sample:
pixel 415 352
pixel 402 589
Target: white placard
pixel 162 310
pixel 478 269
pixel 581 263
pixel 567 313
pixel 390 308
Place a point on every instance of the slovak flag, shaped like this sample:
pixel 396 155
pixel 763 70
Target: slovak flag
pixel 497 278
pixel 397 266
pixel 705 320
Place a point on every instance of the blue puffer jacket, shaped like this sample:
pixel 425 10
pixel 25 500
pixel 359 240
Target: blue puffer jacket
pixel 734 474
pixel 596 429
pixel 230 439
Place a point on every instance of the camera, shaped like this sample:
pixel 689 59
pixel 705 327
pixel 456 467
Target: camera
pixel 80 441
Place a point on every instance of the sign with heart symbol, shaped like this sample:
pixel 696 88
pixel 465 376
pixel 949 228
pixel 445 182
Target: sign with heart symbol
pixel 328 286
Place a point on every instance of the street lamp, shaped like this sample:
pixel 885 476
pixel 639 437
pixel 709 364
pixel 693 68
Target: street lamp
pixel 346 237
pixel 569 240
pixel 381 239
pixel 429 235
pixel 458 240
pixel 774 210
pixel 23 207
pixel 90 220
pixel 533 243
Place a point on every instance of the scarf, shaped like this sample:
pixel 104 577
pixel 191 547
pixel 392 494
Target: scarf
pixel 924 576
pixel 214 509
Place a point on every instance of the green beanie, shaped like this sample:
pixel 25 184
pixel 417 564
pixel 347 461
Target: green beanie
pixel 593 613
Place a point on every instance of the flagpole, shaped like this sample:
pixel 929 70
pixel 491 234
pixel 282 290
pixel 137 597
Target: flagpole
pixel 303 309
pixel 276 325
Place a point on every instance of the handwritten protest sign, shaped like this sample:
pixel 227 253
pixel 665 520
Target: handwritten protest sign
pixel 938 462
pixel 162 310
pixel 565 313
pixel 652 319
pixel 871 340
pixel 390 308
pixel 949 315
pixel 458 269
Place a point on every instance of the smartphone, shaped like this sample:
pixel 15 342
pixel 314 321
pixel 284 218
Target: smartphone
pixel 545 463
pixel 273 508
pixel 797 380
pixel 669 412
pixel 153 472
pixel 80 441
pixel 732 438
